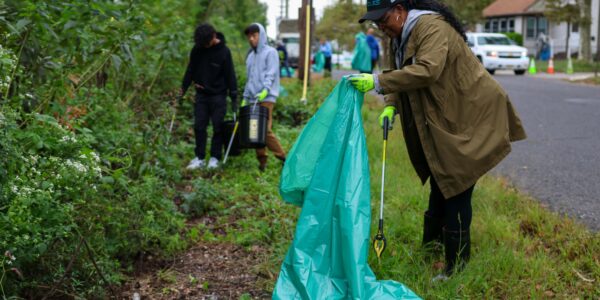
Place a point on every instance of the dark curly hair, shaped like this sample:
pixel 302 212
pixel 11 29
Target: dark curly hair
pixel 204 34
pixel 438 7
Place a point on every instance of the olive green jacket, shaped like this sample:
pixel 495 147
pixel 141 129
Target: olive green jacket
pixel 457 120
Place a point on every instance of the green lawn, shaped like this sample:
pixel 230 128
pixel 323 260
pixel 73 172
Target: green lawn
pixel 560 66
pixel 520 249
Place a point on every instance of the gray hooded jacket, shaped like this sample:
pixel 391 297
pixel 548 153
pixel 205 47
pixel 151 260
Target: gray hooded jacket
pixel 262 66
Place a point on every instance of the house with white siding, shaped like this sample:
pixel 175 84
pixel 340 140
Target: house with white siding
pixel 527 18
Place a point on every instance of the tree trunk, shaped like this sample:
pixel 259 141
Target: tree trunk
pixel 585 28
pixel 567 49
pixel 598 37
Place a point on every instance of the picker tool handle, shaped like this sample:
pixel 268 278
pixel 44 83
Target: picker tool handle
pixel 386 128
pixel 379 242
pixel 235 128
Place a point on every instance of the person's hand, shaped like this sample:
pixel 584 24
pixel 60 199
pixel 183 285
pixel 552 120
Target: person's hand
pixel 362 82
pixel 390 113
pixel 244 102
pixel 262 95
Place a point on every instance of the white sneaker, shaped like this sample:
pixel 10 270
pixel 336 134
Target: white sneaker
pixel 213 163
pixel 196 164
pixel 440 278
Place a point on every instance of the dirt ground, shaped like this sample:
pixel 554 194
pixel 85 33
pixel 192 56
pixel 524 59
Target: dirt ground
pixel 206 271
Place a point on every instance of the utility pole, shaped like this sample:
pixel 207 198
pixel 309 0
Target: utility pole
pixel 597 44
pixel 287 9
pixel 304 54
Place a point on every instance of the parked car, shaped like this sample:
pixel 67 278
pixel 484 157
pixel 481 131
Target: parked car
pixel 292 44
pixel 497 52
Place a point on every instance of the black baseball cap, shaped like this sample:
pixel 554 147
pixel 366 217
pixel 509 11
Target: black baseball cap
pixel 377 8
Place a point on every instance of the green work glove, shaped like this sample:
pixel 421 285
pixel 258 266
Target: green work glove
pixel 262 95
pixel 244 102
pixel 362 82
pixel 390 113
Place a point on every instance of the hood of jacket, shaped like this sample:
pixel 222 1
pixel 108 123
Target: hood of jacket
pixel 262 39
pixel 262 66
pixel 411 20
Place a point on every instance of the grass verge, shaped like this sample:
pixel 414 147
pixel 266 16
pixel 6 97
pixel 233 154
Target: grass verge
pixel 520 249
pixel 560 66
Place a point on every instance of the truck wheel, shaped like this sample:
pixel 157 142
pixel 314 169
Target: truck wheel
pixel 519 72
pixel 492 72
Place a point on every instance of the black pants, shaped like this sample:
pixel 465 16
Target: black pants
pixel 455 212
pixel 328 63
pixel 373 65
pixel 209 108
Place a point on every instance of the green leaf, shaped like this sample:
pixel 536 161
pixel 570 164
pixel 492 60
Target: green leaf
pixel 116 61
pixel 22 23
pixel 108 180
pixel 69 25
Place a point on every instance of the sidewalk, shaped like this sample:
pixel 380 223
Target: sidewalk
pixel 559 76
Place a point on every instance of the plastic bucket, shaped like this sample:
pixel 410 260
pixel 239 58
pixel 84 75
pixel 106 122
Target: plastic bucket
pixel 236 148
pixel 253 126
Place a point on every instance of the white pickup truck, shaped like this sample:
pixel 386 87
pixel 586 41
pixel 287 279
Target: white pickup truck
pixel 497 52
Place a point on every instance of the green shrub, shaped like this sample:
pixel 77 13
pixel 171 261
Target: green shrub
pixel 516 37
pixel 201 199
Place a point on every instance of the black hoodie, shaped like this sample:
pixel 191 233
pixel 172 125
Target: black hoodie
pixel 212 69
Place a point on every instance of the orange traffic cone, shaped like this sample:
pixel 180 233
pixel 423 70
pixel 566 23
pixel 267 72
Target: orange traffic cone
pixel 551 66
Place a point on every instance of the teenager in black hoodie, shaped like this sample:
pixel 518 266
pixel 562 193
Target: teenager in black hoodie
pixel 211 71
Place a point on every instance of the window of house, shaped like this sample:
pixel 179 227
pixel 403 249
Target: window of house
pixel 575 27
pixel 511 25
pixel 495 25
pixel 503 25
pixel 487 26
pixel 542 26
pixel 530 31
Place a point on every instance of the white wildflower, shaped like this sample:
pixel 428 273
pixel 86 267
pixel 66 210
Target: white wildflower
pixel 68 139
pixel 14 189
pixel 95 156
pixel 97 171
pixel 77 166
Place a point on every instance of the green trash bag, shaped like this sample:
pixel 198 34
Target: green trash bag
pixel 289 73
pixel 327 174
pixel 361 59
pixel 319 64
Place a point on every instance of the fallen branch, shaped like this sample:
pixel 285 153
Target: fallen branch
pixel 582 277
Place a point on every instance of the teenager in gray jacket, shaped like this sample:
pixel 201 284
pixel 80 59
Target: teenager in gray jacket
pixel 262 67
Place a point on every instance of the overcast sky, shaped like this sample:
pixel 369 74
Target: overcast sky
pixel 275 9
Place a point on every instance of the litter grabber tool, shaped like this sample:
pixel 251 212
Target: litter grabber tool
pixel 237 123
pixel 379 242
pixel 173 119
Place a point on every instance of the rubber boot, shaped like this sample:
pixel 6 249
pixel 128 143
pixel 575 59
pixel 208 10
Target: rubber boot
pixel 432 230
pixel 457 249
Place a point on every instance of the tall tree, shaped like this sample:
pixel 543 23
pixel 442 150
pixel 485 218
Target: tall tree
pixel 563 11
pixel 585 29
pixel 340 22
pixel 469 12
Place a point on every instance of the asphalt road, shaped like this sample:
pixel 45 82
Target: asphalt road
pixel 559 163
